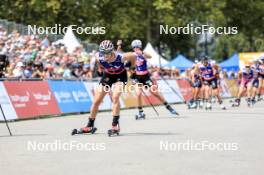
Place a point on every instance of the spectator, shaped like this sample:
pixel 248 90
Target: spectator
pixel 18 72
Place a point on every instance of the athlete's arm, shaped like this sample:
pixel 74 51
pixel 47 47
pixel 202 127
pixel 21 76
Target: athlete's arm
pixel 146 55
pixel 100 68
pixel 129 56
pixel 239 75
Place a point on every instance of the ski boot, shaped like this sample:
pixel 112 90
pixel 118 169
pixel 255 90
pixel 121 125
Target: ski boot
pixel 201 104
pixel 114 131
pixel 253 101
pixel 248 102
pixel 213 100
pixel 190 103
pixel 84 130
pixel 140 115
pixel 259 98
pixel 194 105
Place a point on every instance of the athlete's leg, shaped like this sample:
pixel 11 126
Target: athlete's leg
pixel 117 91
pixel 154 90
pixel 139 89
pixel 100 93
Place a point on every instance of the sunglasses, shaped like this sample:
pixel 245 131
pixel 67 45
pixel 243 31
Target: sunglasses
pixel 106 52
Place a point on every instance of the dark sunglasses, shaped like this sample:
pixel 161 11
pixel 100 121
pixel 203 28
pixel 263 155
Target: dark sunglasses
pixel 106 52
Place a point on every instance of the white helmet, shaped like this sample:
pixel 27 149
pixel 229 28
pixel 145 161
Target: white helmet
pixel 136 44
pixel 261 59
pixel 106 46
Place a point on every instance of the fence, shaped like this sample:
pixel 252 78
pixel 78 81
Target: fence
pixel 31 99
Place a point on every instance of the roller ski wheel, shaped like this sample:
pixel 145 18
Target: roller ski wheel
pixel 114 131
pixel 260 99
pixel 248 104
pixel 208 108
pixel 234 105
pixel 84 130
pixel 140 116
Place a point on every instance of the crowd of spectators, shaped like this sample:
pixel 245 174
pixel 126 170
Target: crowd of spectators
pixel 29 57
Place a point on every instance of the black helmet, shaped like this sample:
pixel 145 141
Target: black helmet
pixel 204 58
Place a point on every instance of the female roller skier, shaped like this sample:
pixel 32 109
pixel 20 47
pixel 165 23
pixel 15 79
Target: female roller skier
pixel 114 76
pixel 142 78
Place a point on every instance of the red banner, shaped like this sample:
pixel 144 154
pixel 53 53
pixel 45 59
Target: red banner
pixel 32 99
pixel 186 89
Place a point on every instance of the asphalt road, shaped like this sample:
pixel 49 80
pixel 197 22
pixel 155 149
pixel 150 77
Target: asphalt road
pixel 198 142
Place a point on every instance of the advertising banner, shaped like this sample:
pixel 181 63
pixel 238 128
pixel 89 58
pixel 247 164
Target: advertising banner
pixel 31 98
pixel 248 56
pixel 170 91
pixel 185 89
pixel 129 96
pixel 6 105
pixel 224 89
pixel 71 96
pixel 90 88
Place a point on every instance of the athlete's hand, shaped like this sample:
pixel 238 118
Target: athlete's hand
pixel 139 52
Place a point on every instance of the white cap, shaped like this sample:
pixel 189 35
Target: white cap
pixel 19 64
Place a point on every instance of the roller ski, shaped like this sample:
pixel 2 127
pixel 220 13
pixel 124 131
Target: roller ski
pixel 253 101
pixel 140 115
pixel 222 105
pixel 114 131
pixel 84 130
pixel 235 103
pixel 208 106
pixel 249 102
pixel 189 104
pixel 193 106
pixel 259 98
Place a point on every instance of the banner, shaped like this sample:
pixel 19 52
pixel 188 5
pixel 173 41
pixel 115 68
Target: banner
pixel 170 91
pixel 224 89
pixel 6 105
pixel 130 96
pixel 248 56
pixel 90 88
pixel 71 96
pixel 185 89
pixel 31 98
